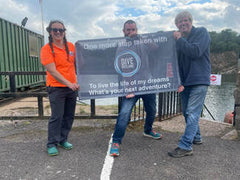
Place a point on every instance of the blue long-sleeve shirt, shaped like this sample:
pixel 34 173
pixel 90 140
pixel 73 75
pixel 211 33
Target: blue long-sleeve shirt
pixel 193 57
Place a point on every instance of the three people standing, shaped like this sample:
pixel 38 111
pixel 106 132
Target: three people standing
pixel 193 48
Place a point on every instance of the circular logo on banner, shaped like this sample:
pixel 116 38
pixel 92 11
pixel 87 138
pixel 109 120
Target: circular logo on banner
pixel 127 63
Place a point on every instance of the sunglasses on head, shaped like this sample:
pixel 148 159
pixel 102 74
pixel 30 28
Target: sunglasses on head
pixel 56 30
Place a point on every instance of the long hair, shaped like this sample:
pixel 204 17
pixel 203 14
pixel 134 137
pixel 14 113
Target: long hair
pixel 50 39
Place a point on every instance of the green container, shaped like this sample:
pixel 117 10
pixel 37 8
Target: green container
pixel 20 51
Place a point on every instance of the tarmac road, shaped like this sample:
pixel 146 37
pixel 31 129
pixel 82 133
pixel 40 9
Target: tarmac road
pixel 23 155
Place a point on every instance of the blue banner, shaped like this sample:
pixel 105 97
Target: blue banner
pixel 143 64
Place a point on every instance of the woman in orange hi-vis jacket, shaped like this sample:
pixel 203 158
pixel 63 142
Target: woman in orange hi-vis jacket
pixel 58 57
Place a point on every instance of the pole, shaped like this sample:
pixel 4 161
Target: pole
pixel 41 4
pixel 209 112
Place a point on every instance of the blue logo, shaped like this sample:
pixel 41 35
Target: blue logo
pixel 127 63
pixel 71 53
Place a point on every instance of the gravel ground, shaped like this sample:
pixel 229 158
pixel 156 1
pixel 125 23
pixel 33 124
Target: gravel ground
pixel 23 152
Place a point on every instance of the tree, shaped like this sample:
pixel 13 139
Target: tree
pixel 226 40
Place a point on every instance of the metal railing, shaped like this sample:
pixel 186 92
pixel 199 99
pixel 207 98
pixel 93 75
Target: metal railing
pixel 168 103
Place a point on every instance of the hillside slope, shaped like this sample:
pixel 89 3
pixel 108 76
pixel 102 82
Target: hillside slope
pixel 224 63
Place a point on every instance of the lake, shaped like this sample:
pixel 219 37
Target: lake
pixel 220 99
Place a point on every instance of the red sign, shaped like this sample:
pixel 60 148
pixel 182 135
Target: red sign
pixel 213 78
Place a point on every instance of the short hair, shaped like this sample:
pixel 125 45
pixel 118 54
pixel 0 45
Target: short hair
pixel 182 15
pixel 129 22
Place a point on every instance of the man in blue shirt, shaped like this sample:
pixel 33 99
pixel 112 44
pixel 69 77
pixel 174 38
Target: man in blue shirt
pixel 193 48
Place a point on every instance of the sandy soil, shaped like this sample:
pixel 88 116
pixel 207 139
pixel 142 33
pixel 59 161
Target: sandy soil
pixel 29 106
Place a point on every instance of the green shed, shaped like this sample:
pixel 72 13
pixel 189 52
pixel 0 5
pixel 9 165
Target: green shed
pixel 20 51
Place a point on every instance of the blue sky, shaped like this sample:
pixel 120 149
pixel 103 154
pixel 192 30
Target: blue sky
pixel 92 19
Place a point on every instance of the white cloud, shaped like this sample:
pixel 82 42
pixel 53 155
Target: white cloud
pixel 88 19
pixel 232 17
pixel 15 11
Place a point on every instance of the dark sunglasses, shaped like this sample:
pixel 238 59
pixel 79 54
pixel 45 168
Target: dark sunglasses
pixel 133 29
pixel 56 30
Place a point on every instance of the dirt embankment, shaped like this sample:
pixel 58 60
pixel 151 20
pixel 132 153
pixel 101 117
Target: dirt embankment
pixel 224 63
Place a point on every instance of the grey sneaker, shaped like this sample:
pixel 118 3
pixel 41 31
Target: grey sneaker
pixel 197 142
pixel 178 152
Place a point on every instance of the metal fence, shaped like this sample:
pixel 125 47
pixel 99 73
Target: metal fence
pixel 168 103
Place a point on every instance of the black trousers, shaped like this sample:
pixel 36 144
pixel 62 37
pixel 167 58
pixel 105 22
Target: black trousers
pixel 63 103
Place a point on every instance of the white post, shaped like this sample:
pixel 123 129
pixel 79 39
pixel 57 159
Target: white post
pixel 41 4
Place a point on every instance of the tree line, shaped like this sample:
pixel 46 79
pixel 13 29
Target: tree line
pixel 226 40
